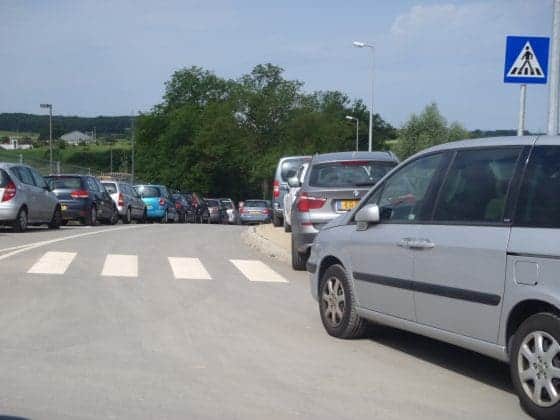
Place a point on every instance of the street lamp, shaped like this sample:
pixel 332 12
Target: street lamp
pixel 358 44
pixel 350 118
pixel 49 106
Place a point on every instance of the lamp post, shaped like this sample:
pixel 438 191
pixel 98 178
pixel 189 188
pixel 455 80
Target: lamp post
pixel 49 106
pixel 350 118
pixel 358 44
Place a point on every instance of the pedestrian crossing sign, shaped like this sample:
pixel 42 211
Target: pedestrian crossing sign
pixel 526 60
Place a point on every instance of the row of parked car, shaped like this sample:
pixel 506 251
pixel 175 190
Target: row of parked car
pixel 459 243
pixel 27 198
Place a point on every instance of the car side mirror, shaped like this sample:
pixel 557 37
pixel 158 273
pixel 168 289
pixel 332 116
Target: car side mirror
pixel 366 216
pixel 294 182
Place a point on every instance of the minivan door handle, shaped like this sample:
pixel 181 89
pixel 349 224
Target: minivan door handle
pixel 421 243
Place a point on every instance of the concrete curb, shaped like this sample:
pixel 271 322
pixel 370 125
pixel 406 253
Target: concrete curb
pixel 261 243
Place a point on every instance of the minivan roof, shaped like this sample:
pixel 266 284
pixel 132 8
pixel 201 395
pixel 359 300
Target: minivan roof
pixel 338 156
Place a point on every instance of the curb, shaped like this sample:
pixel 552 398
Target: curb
pixel 262 244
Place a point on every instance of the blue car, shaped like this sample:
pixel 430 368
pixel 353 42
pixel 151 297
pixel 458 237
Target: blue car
pixel 159 205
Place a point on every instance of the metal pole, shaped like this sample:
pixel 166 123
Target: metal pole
pixel 58 167
pixel 357 133
pixel 371 105
pixel 20 159
pixel 522 109
pixel 554 92
pixel 50 139
pixel 111 148
pixel 132 151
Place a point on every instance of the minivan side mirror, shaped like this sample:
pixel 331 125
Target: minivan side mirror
pixel 293 182
pixel 367 215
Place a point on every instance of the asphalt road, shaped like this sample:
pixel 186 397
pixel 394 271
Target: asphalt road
pixel 96 323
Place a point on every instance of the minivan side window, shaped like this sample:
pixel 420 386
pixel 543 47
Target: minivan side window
pixel 39 180
pixel 476 187
pixel 539 199
pixel 403 195
pixel 24 175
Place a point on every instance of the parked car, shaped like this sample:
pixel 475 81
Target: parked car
pixel 459 243
pixel 286 168
pixel 290 196
pixel 159 205
pixel 182 206
pixel 26 199
pixel 255 212
pixel 233 214
pixel 83 198
pixel 217 210
pixel 334 184
pixel 129 204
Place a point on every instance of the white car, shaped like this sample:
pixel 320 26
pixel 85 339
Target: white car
pixel 290 197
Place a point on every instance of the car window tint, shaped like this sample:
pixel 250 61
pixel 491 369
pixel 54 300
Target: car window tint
pixel 256 203
pixel 539 200
pixel 148 191
pixel 64 183
pixel 289 168
pixel 403 194
pixel 110 187
pixel 39 180
pixel 348 173
pixel 24 175
pixel 476 186
pixel 91 185
pixel 4 178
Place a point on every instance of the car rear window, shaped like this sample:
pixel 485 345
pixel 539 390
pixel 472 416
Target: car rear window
pixel 64 182
pixel 228 204
pixel 289 168
pixel 110 187
pixel 348 174
pixel 148 192
pixel 4 178
pixel 212 203
pixel 256 203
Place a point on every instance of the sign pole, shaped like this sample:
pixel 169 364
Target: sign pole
pixel 554 72
pixel 522 109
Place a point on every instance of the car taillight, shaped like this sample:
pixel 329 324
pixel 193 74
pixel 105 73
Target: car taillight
pixel 79 194
pixel 121 200
pixel 242 210
pixel 276 189
pixel 177 205
pixel 9 191
pixel 306 203
pixel 265 211
pixel 162 201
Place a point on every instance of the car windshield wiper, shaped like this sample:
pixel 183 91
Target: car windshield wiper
pixel 365 184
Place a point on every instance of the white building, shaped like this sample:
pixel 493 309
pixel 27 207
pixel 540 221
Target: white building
pixel 76 137
pixel 14 145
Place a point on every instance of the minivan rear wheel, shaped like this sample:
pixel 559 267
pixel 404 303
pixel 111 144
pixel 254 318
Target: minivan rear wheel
pixel 535 365
pixel 337 305
pixel 56 220
pixel 20 224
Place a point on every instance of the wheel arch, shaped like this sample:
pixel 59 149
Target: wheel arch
pixel 326 262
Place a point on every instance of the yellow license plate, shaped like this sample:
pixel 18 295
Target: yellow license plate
pixel 64 207
pixel 348 204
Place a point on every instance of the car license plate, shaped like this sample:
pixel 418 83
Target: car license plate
pixel 345 205
pixel 64 207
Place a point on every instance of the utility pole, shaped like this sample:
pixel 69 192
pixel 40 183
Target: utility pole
pixel 132 157
pixel 372 50
pixel 49 106
pixel 554 92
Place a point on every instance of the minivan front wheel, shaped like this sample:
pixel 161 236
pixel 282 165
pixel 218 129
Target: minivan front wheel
pixel 20 224
pixel 535 365
pixel 337 305
pixel 299 260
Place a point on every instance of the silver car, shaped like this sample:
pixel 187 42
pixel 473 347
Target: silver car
pixel 460 243
pixel 334 184
pixel 25 198
pixel 129 203
pixel 291 195
pixel 286 168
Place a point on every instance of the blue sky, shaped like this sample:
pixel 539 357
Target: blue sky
pixel 112 57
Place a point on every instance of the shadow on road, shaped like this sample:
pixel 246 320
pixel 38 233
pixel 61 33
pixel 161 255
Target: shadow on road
pixel 3 417
pixel 475 366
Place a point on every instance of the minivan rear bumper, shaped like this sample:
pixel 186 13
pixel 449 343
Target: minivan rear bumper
pixel 8 212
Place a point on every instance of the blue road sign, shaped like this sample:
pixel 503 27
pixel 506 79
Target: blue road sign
pixel 526 60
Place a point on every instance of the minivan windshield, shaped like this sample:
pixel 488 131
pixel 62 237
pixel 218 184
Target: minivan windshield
pixel 64 182
pixel 110 187
pixel 147 191
pixel 353 173
pixel 256 203
pixel 289 168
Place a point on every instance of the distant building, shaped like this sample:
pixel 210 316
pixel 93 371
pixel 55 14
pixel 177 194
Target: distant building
pixel 14 145
pixel 76 137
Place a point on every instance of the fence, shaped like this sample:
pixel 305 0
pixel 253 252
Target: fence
pixel 44 166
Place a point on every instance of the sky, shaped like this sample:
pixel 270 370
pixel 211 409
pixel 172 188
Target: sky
pixel 99 57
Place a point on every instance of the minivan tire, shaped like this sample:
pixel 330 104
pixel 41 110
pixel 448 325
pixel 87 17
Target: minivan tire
pixel 540 323
pixel 350 325
pixel 276 221
pixel 56 220
pixel 91 218
pixel 127 218
pixel 20 224
pixel 298 259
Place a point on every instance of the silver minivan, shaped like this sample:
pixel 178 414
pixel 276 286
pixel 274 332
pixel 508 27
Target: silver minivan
pixel 26 199
pixel 460 243
pixel 333 185
pixel 286 168
pixel 129 204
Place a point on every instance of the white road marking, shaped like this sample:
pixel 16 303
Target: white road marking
pixel 26 247
pixel 256 270
pixel 120 266
pixel 53 263
pixel 188 268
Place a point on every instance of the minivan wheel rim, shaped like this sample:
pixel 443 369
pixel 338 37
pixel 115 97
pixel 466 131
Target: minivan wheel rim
pixel 333 301
pixel 538 367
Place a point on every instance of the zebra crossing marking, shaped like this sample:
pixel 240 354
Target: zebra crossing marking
pixel 120 266
pixel 258 271
pixel 53 263
pixel 188 268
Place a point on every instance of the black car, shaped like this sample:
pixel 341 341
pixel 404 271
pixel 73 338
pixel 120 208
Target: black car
pixel 198 212
pixel 83 198
pixel 183 207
